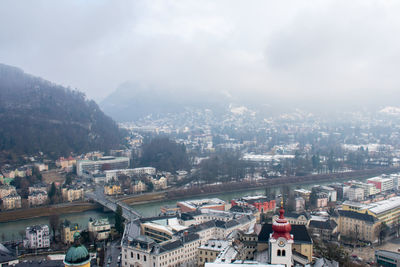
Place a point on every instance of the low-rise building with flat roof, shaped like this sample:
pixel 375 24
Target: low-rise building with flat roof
pixel 102 164
pixel 207 203
pixel 387 258
pixel 210 250
pixel 99 228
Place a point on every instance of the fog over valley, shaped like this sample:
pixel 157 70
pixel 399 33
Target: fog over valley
pixel 320 56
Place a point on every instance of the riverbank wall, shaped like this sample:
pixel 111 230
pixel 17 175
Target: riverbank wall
pixel 205 190
pixel 44 211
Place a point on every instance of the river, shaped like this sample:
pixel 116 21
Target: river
pixel 11 230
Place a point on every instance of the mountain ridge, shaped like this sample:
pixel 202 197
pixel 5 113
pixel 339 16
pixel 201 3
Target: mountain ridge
pixel 39 115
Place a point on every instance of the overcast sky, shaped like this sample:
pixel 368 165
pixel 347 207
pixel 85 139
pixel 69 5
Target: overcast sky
pixel 306 49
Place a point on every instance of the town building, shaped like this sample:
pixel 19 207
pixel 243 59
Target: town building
pixel 23 171
pixel 387 258
pixel 99 228
pixel 72 192
pixel 37 236
pixel 113 174
pixel 159 184
pixel 6 190
pixel 112 188
pixel 326 229
pixel 369 188
pixel 167 241
pixel 303 193
pixel 11 202
pixel 321 200
pixel 39 187
pixel 144 251
pixel 68 230
pixel 41 166
pixel 331 192
pixel 37 198
pixel 396 180
pixel 66 164
pixel 381 183
pixel 261 203
pixel 354 193
pixel 358 226
pixel 207 203
pixel 139 186
pixel 209 251
pixel 102 164
pixel 295 218
pixel 386 211
pixel 300 204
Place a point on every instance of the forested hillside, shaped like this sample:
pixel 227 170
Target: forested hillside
pixel 37 115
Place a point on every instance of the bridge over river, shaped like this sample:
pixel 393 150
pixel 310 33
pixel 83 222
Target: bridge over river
pixel 127 211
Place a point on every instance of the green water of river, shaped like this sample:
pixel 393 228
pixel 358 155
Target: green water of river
pixel 10 230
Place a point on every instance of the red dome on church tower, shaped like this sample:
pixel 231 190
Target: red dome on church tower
pixel 281 227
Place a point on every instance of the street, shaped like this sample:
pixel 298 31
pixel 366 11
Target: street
pixel 112 253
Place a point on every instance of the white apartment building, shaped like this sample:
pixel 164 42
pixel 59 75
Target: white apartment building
pixel 383 184
pixel 113 174
pixel 99 228
pixel 37 236
pixel 396 180
pixel 181 247
pixel 143 251
pixel 369 188
pixel 354 193
pixel 102 164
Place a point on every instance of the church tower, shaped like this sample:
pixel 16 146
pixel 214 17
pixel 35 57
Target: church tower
pixel 280 241
pixel 77 255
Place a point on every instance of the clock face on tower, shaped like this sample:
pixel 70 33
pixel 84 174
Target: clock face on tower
pixel 281 242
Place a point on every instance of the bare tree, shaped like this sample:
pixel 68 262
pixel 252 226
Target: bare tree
pixel 22 234
pixel 54 221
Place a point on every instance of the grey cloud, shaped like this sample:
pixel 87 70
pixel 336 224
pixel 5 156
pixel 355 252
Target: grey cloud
pixel 292 50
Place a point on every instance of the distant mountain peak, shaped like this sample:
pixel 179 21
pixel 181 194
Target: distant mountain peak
pixel 390 110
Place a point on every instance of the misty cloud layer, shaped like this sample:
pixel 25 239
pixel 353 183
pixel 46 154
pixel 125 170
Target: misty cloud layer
pixel 325 52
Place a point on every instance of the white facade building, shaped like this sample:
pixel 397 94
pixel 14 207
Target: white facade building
pixel 37 236
pixel 383 184
pixel 355 193
pixel 113 174
pixel 99 228
pixel 102 164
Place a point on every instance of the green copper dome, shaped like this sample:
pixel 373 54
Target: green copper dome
pixel 77 254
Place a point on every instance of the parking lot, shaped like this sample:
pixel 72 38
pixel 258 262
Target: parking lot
pixel 368 253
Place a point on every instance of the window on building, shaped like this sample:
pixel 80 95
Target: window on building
pixel 131 254
pixel 144 257
pixel 278 253
pixel 283 253
pixel 138 256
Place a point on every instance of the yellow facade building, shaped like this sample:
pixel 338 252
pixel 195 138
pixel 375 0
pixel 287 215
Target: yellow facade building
pixel 112 189
pixel 386 211
pixel 359 226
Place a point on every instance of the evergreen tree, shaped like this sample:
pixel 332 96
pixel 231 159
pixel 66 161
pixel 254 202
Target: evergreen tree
pixel 119 220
